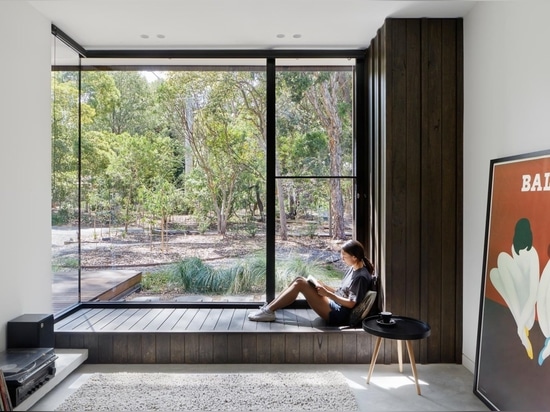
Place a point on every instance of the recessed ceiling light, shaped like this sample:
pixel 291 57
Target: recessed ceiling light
pixel 280 36
pixel 297 36
pixel 144 36
pixel 161 36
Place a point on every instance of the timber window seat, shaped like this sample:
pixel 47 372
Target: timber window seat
pixel 155 334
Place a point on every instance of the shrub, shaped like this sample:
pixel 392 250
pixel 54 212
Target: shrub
pixel 157 282
pixel 247 276
pixel 194 276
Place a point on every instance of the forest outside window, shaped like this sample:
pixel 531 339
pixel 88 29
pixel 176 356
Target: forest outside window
pixel 161 170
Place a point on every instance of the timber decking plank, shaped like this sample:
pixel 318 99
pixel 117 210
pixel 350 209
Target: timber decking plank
pixel 124 315
pixel 133 319
pixel 98 317
pixel 183 322
pixel 211 320
pixel 82 322
pixel 159 319
pixel 143 323
pixel 279 324
pixel 292 348
pixel 186 320
pixel 224 321
pixel 172 320
pixel 291 318
pixel 69 319
pixel 249 325
pixel 105 320
pixel 238 320
pixel 198 320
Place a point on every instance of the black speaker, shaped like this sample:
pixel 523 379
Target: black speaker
pixel 31 331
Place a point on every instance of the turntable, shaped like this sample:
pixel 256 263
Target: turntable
pixel 26 370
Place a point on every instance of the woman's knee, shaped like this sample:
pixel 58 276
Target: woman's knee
pixel 300 281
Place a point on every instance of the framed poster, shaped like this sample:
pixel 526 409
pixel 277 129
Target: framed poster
pixel 512 367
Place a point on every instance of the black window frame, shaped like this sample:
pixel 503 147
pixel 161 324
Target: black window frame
pixel 360 143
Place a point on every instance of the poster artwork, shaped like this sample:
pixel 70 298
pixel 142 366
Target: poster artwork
pixel 514 330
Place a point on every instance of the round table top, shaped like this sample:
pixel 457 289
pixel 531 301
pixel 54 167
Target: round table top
pixel 401 328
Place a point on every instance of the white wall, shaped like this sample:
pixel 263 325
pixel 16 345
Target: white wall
pixel 25 232
pixel 506 112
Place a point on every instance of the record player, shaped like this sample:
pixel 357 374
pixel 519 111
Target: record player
pixel 26 370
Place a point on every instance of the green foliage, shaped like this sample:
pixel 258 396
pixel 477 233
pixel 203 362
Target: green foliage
pixel 157 282
pixel 193 141
pixel 62 216
pixel 293 266
pixel 247 276
pixel 251 228
pixel 191 275
pixel 311 229
pixel 65 263
pixel 196 277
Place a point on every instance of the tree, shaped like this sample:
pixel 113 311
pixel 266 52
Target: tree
pixel 134 111
pixel 207 112
pixel 328 96
pixel 137 162
pixel 160 200
pixel 65 139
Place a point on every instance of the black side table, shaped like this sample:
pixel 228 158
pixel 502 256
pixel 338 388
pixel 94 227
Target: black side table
pixel 401 328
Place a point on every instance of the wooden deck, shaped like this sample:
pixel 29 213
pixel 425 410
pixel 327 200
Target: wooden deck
pixel 101 285
pixel 208 335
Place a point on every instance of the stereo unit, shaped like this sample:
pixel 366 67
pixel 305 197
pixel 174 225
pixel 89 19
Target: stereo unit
pixel 31 331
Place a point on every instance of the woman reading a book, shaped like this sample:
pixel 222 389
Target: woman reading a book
pixel 334 305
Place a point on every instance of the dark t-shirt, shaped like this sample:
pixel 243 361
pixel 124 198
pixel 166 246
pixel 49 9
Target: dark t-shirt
pixel 355 284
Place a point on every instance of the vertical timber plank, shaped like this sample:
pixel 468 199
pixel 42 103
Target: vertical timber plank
pixel 148 348
pixel 292 348
pixel 235 348
pixel 105 348
pixel 177 348
pixel 162 348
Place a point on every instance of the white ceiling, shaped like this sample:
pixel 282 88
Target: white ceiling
pixel 233 24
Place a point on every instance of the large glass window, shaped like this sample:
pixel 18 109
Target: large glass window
pixel 65 87
pixel 173 177
pixel 314 170
pixel 167 164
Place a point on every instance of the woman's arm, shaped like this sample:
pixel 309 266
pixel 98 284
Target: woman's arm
pixel 345 302
pixel 327 287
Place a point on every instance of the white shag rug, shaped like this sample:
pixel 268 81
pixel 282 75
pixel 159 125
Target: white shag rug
pixel 270 391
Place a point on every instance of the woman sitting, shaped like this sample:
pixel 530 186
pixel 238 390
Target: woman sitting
pixel 334 305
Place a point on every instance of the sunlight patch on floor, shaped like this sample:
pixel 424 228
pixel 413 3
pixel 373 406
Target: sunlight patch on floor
pixel 394 382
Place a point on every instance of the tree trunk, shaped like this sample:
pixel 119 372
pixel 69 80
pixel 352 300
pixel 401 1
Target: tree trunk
pixel 325 103
pixel 283 231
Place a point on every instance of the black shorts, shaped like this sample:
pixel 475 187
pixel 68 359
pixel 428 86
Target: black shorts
pixel 338 315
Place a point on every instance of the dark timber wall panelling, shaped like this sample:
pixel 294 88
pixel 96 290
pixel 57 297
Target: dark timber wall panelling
pixel 414 71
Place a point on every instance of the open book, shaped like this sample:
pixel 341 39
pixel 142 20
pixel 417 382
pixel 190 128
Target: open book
pixel 313 282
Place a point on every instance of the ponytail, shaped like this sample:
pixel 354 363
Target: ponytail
pixel 368 264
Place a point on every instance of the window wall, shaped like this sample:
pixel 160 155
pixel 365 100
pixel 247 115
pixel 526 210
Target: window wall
pixel 314 176
pixel 65 129
pixel 169 192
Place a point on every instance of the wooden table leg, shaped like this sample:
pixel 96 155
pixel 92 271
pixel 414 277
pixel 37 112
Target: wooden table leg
pixel 413 365
pixel 400 355
pixel 374 356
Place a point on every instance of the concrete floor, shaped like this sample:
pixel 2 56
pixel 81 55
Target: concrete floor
pixel 444 387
